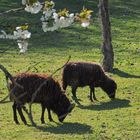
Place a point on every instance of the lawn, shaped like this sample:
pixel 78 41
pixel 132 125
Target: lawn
pixel 102 120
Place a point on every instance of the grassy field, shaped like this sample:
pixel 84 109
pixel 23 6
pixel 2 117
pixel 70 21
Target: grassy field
pixel 103 120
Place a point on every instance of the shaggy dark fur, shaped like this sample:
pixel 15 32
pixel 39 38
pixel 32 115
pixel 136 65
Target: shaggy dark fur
pixel 50 96
pixel 80 74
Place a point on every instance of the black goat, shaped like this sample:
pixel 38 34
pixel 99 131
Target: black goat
pixel 80 74
pixel 50 96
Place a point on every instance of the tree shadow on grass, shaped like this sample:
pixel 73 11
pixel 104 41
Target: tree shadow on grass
pixel 5 102
pixel 113 104
pixel 124 74
pixel 127 9
pixel 67 128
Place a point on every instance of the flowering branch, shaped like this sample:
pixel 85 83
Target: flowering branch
pixel 51 20
pixel 21 35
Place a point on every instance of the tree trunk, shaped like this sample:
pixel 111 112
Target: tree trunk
pixel 107 50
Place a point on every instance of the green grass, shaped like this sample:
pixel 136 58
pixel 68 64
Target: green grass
pixel 103 120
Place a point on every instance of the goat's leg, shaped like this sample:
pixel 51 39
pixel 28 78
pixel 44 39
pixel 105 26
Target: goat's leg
pixel 92 93
pixel 21 114
pixel 49 114
pixel 94 96
pixel 42 114
pixel 15 113
pixel 74 88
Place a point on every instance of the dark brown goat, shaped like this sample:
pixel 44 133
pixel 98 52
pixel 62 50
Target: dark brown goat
pixel 50 96
pixel 80 74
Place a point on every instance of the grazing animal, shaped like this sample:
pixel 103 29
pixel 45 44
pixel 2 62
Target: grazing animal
pixel 50 96
pixel 80 74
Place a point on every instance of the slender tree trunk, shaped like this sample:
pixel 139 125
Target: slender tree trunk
pixel 107 49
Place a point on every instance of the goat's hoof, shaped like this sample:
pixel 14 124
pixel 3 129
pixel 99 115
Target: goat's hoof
pixel 17 123
pixel 51 120
pixel 25 123
pixel 91 100
pixel 94 101
pixel 43 122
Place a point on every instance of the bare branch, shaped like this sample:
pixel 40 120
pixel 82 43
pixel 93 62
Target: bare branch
pixel 7 74
pixel 61 67
pixel 11 93
pixel 4 99
pixel 12 10
pixel 33 66
pixel 15 10
pixel 3 51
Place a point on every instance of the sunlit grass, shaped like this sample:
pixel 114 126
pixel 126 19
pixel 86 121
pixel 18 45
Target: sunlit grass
pixel 103 120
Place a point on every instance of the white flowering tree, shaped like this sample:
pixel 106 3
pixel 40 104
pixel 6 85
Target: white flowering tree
pixel 51 20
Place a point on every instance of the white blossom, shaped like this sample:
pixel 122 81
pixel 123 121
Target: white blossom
pixel 47 14
pixel 23 34
pixel 18 28
pixel 62 18
pixel 20 35
pixel 89 17
pixel 71 15
pixel 55 16
pixel 46 28
pixel 23 2
pixel 85 24
pixel 26 34
pixel 34 9
pixel 23 44
pixel 59 22
pixel 42 18
pixel 4 35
